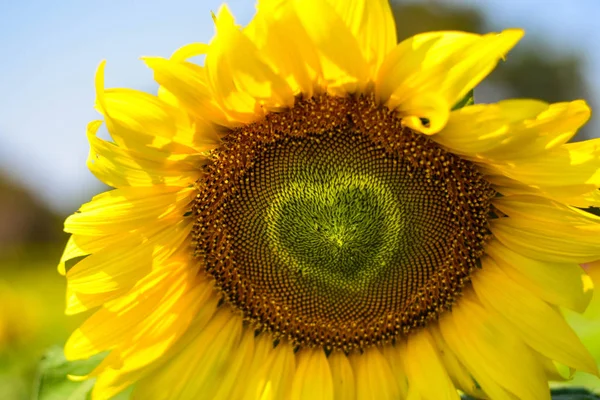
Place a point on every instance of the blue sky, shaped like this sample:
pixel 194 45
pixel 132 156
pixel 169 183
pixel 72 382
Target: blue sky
pixel 50 51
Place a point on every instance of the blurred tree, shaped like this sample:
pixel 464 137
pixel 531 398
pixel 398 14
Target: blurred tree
pixel 425 17
pixel 532 70
pixel 24 220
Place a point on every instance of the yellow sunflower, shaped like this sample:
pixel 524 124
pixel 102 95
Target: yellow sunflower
pixel 305 217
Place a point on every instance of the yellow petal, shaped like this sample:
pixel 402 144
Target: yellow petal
pixel 120 167
pixel 571 195
pixel 395 357
pixel 540 326
pixel 93 244
pixel 153 298
pixel 372 24
pixel 573 167
pixel 313 379
pixel 189 50
pixel 551 128
pixel 424 76
pixel 511 129
pixel 342 376
pixel 117 268
pixel 217 361
pixel 593 270
pixel 205 132
pixel 425 370
pixel 555 371
pixel 278 34
pixel 343 66
pixel 189 84
pixel 546 211
pixel 548 242
pixel 72 251
pixel 272 379
pixel 137 120
pixel 262 349
pixel 121 368
pixel 374 377
pixel 129 208
pixel 238 369
pixel 561 284
pixel 200 370
pixel 461 377
pixel 240 79
pixel 500 362
pixel 585 200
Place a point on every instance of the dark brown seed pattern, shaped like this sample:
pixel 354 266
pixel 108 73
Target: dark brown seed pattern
pixel 332 225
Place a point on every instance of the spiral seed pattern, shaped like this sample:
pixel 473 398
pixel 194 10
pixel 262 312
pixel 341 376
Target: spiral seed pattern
pixel 333 225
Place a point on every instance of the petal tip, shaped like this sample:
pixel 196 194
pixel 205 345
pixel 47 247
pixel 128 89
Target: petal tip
pixel 513 34
pixel 509 38
pixel 99 86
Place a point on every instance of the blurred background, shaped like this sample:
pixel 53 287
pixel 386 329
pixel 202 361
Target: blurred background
pixel 50 51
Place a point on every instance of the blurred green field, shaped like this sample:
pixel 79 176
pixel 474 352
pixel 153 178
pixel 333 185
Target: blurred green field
pixel 32 319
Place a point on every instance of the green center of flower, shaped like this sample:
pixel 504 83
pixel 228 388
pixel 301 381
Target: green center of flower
pixel 333 225
pixel 329 220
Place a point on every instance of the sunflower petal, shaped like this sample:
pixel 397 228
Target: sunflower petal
pixel 374 377
pixel 572 196
pixel 394 356
pixel 372 24
pixel 151 299
pixel 117 268
pixel 553 242
pixel 278 34
pixel 239 78
pixel 489 338
pixel 540 326
pixel 562 284
pixel 125 365
pixel 344 68
pixel 189 50
pixel 424 76
pixel 342 376
pixel 71 251
pixel 193 372
pixel 461 377
pixel 137 120
pixel 120 167
pixel 263 346
pixel 272 379
pixel 569 170
pixel 313 378
pixel 511 129
pixel 424 368
pixel 77 301
pixel 129 208
pixel 546 211
pixel 188 83
pixel 237 369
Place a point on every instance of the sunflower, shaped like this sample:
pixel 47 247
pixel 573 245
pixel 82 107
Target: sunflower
pixel 306 216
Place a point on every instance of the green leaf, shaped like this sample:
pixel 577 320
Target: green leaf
pixel 465 101
pixel 563 394
pixel 573 394
pixel 52 382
